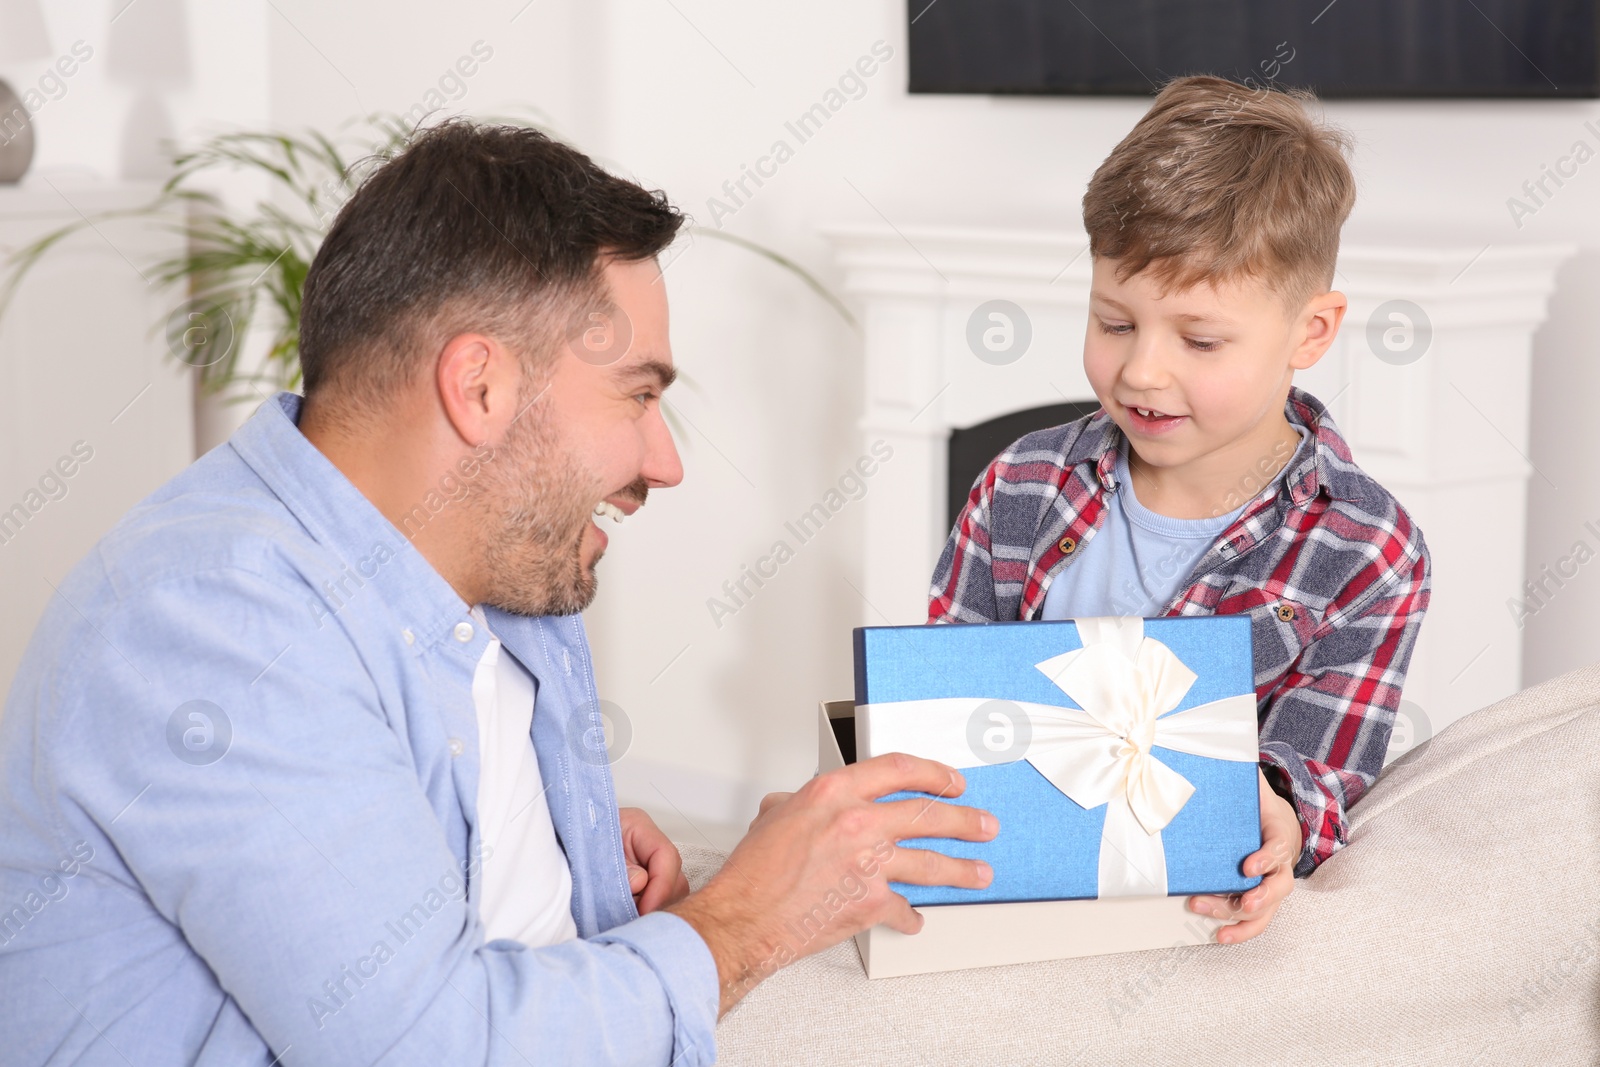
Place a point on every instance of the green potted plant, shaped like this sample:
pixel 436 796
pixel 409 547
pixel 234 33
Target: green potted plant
pixel 240 275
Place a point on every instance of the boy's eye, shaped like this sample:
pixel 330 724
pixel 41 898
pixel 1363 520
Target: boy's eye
pixel 1202 345
pixel 1116 329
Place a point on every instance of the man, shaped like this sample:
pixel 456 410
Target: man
pixel 299 767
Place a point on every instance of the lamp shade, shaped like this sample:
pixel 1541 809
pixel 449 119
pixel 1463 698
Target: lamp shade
pixel 22 32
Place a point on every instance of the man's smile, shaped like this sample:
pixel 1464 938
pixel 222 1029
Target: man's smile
pixel 615 507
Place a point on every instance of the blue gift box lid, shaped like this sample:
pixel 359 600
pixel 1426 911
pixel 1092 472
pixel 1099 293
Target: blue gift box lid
pixel 1049 846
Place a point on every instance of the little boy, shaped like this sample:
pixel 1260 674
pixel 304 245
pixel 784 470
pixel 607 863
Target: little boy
pixel 1213 228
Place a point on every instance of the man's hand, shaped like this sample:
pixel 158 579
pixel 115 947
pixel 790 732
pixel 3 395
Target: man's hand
pixel 655 870
pixel 1249 913
pixel 816 866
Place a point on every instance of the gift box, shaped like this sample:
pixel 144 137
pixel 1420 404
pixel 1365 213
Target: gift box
pixel 1119 755
pixel 959 936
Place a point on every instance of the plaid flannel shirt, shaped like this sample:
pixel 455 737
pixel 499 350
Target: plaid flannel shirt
pixel 1330 568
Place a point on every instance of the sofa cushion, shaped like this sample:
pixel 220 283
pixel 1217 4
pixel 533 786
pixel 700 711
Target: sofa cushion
pixel 1460 926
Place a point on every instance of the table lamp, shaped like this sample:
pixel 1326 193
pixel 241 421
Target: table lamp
pixel 22 38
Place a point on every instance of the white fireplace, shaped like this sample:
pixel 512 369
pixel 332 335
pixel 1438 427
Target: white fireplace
pixel 1446 431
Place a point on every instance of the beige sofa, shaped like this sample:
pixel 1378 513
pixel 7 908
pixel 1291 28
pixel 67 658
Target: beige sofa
pixel 1461 926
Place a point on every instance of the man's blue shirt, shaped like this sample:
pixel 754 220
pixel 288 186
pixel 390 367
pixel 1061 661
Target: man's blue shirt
pixel 238 783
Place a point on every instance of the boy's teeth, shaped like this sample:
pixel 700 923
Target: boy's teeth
pixel 608 509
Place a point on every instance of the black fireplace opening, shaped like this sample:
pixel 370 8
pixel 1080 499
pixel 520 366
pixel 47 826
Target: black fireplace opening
pixel 972 449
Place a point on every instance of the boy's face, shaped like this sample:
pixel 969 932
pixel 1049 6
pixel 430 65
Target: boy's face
pixel 1203 371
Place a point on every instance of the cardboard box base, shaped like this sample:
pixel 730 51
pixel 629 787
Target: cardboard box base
pixel 958 936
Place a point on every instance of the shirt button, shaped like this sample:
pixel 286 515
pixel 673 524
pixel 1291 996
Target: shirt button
pixel 456 747
pixel 410 637
pixel 463 632
pixel 1067 546
pixel 1285 612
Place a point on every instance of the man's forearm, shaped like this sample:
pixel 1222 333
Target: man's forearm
pixel 733 933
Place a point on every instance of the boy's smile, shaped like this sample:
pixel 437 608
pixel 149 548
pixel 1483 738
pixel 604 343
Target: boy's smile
pixel 1149 421
pixel 1197 379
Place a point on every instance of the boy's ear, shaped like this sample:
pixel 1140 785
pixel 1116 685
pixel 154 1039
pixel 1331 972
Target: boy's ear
pixel 1320 319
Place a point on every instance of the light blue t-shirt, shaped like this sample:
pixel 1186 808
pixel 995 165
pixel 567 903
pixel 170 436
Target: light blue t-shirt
pixel 1136 563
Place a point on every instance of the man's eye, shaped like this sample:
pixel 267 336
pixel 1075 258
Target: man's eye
pixel 645 397
pixel 1117 329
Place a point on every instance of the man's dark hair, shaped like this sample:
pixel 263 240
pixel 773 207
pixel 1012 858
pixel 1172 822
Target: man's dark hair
pixel 495 229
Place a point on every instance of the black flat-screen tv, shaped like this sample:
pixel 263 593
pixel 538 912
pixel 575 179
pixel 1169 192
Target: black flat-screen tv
pixel 1343 48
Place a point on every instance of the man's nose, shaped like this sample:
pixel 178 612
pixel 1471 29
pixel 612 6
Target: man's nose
pixel 662 468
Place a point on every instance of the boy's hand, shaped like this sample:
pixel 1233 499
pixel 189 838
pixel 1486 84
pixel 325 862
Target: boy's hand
pixel 1249 913
pixel 655 870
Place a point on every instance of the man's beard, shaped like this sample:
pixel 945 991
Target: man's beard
pixel 536 502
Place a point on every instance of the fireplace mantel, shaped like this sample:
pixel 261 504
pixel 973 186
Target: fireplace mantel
pixel 1446 431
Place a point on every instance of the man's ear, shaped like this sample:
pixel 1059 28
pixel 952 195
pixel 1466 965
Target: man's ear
pixel 1321 318
pixel 478 380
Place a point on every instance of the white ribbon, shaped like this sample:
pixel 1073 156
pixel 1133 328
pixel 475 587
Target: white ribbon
pixel 1124 684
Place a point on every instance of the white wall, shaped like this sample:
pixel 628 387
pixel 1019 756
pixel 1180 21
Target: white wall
pixel 681 95
pixel 159 68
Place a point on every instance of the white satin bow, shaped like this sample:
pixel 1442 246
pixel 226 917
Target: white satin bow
pixel 1124 684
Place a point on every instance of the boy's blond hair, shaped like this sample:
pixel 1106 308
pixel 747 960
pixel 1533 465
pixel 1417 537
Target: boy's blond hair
pixel 1219 182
